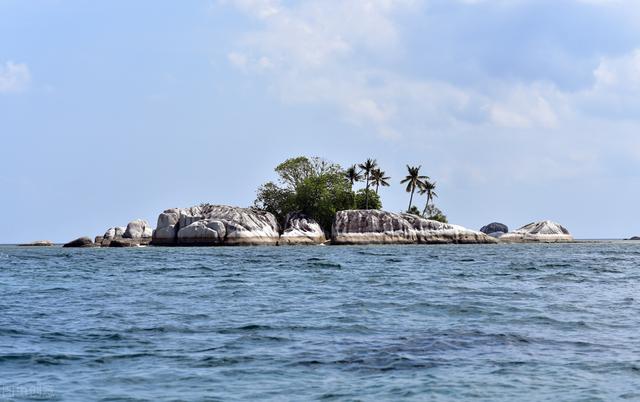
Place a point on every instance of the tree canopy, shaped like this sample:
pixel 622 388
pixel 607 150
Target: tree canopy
pixel 313 186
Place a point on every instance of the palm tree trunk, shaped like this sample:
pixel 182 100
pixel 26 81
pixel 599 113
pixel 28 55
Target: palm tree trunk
pixel 366 194
pixel 426 206
pixel 413 189
pixel 377 185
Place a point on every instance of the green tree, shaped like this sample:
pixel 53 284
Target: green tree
pixel 353 175
pixel 435 214
pixel 294 171
pixel 320 197
pixel 414 211
pixel 312 186
pixel 277 200
pixel 373 199
pixel 367 167
pixel 428 189
pixel 414 180
pixel 378 179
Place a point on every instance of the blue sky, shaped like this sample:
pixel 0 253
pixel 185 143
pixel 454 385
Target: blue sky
pixel 520 110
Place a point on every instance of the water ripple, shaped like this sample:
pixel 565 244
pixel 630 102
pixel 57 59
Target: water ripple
pixel 508 322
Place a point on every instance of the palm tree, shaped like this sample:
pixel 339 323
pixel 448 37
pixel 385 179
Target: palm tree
pixel 414 180
pixel 378 179
pixel 367 168
pixel 353 174
pixel 428 189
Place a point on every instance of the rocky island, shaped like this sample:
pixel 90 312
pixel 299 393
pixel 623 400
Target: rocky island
pixel 223 225
pixel 539 232
pixel 314 202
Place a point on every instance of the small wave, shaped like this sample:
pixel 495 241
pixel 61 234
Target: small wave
pixel 214 361
pixel 38 358
pixel 315 262
pixel 245 328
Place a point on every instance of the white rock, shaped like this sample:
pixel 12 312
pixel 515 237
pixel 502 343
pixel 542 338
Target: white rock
pixel 114 233
pixel 300 229
pixel 382 227
pixel 242 226
pixel 138 229
pixel 539 232
pixel 202 231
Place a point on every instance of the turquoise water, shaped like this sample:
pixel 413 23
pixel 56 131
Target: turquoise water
pixel 497 322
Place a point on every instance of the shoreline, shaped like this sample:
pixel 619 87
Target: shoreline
pixel 576 241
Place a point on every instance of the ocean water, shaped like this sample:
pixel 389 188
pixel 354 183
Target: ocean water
pixel 492 322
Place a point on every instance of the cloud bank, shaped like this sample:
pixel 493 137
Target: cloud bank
pixel 14 77
pixel 411 69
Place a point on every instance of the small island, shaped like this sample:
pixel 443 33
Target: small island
pixel 314 203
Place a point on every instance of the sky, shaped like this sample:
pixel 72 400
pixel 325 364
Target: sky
pixel 519 110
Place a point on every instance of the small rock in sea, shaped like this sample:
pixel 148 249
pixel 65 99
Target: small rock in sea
pixel 38 243
pixel 635 238
pixel 495 229
pixel 539 232
pixel 80 242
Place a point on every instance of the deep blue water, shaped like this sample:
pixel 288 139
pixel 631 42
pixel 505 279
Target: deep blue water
pixel 496 322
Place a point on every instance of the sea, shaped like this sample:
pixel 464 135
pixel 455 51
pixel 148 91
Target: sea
pixel 539 322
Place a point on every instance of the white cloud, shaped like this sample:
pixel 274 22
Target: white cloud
pixel 622 73
pixel 349 55
pixel 329 52
pixel 14 77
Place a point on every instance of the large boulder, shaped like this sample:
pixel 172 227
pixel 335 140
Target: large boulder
pixel 38 243
pixel 114 233
pixel 300 229
pixel 212 225
pixel 539 232
pixel 495 229
pixel 382 227
pixel 138 229
pixel 167 229
pixel 80 242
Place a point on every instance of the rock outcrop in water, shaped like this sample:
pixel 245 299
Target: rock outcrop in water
pixel 138 229
pixel 382 227
pixel 137 233
pixel 495 229
pixel 37 243
pixel 110 235
pixel 81 242
pixel 539 232
pixel 300 229
pixel 212 225
pixel 635 238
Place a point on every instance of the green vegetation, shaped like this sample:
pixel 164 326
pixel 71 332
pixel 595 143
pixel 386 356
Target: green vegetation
pixel 378 179
pixel 312 186
pixel 353 175
pixel 428 189
pixel 319 189
pixel 435 214
pixel 368 167
pixel 321 196
pixel 362 199
pixel 414 211
pixel 414 181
